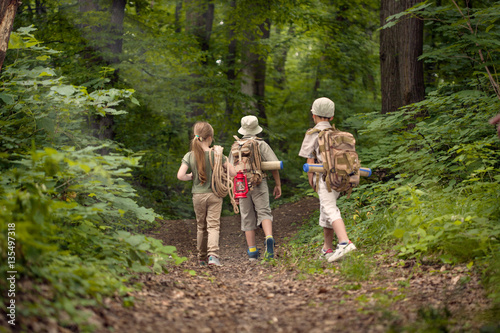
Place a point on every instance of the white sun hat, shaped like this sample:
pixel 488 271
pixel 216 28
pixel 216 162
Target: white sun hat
pixel 250 126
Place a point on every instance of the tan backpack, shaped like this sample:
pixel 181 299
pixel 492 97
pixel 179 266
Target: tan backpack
pixel 246 158
pixel 340 160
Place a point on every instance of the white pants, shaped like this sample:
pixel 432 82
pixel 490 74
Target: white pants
pixel 328 209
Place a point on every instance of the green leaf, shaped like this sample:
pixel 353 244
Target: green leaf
pixel 399 233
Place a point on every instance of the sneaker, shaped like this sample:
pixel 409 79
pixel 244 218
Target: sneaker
pixel 269 254
pixel 253 255
pixel 214 261
pixel 341 251
pixel 203 263
pixel 325 254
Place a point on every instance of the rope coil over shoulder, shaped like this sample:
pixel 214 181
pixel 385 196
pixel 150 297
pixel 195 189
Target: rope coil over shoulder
pixel 222 184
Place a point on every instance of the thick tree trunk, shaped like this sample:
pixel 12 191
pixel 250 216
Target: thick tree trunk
pixel 254 79
pixel 199 22
pixel 117 17
pixel 402 74
pixel 280 59
pixel 103 126
pixel 8 10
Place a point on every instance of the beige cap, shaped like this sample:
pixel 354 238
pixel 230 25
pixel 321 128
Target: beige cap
pixel 323 107
pixel 250 126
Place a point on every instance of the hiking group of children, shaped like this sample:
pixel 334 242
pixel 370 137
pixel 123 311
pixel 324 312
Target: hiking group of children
pixel 255 208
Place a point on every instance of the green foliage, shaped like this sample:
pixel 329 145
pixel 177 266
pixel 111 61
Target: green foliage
pixel 325 49
pixel 70 207
pixel 356 267
pixel 439 164
pixel 435 192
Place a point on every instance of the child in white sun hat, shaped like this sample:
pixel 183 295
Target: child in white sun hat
pixel 255 208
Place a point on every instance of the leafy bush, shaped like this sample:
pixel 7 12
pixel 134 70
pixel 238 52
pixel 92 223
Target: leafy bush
pixel 68 207
pixel 435 189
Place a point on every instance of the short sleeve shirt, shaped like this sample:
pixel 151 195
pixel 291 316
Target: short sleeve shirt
pixel 190 161
pixel 310 146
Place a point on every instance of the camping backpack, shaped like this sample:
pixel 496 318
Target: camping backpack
pixel 340 160
pixel 246 158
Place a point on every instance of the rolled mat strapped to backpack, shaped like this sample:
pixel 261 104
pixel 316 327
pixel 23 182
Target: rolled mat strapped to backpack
pixel 271 165
pixel 363 172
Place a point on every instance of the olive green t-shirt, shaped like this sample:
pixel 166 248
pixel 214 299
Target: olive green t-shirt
pixel 190 161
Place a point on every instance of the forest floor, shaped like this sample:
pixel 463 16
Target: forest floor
pixel 244 296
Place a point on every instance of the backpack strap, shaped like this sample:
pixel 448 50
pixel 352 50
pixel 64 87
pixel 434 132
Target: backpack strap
pixel 324 149
pixel 312 130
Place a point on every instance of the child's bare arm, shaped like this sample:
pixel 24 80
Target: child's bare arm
pixel 182 175
pixel 277 187
pixel 496 120
pixel 230 167
pixel 310 175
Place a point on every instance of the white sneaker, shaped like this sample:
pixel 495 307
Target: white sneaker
pixel 214 261
pixel 341 251
pixel 325 254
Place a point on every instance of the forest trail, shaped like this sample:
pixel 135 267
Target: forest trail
pixel 243 296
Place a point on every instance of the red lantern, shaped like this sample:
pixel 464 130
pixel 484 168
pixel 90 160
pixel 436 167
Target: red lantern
pixel 240 185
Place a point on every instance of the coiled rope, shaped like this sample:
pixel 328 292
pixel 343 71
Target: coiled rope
pixel 222 184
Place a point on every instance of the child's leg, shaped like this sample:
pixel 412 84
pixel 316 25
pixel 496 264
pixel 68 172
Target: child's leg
pixel 264 215
pixel 339 228
pixel 250 236
pixel 199 205
pixel 267 226
pixel 328 238
pixel 214 208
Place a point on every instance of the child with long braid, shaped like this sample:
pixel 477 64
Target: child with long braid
pixel 207 205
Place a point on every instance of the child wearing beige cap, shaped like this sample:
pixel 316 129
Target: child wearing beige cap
pixel 255 209
pixel 323 110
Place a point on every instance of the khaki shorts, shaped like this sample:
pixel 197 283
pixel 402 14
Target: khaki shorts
pixel 255 208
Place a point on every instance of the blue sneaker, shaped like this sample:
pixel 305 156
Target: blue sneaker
pixel 252 256
pixel 269 254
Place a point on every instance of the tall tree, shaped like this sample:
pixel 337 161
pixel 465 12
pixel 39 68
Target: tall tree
pixel 199 23
pixel 280 57
pixel 8 10
pixel 402 74
pixel 117 17
pixel 102 126
pixel 254 73
pixel 231 62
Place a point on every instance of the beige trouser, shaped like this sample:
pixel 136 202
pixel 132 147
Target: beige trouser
pixel 207 207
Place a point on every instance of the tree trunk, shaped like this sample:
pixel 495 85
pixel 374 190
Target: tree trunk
pixel 178 8
pixel 254 72
pixel 117 17
pixel 280 59
pixel 231 62
pixel 8 10
pixel 199 22
pixel 102 127
pixel 402 74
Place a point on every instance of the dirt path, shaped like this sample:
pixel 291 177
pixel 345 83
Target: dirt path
pixel 254 297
